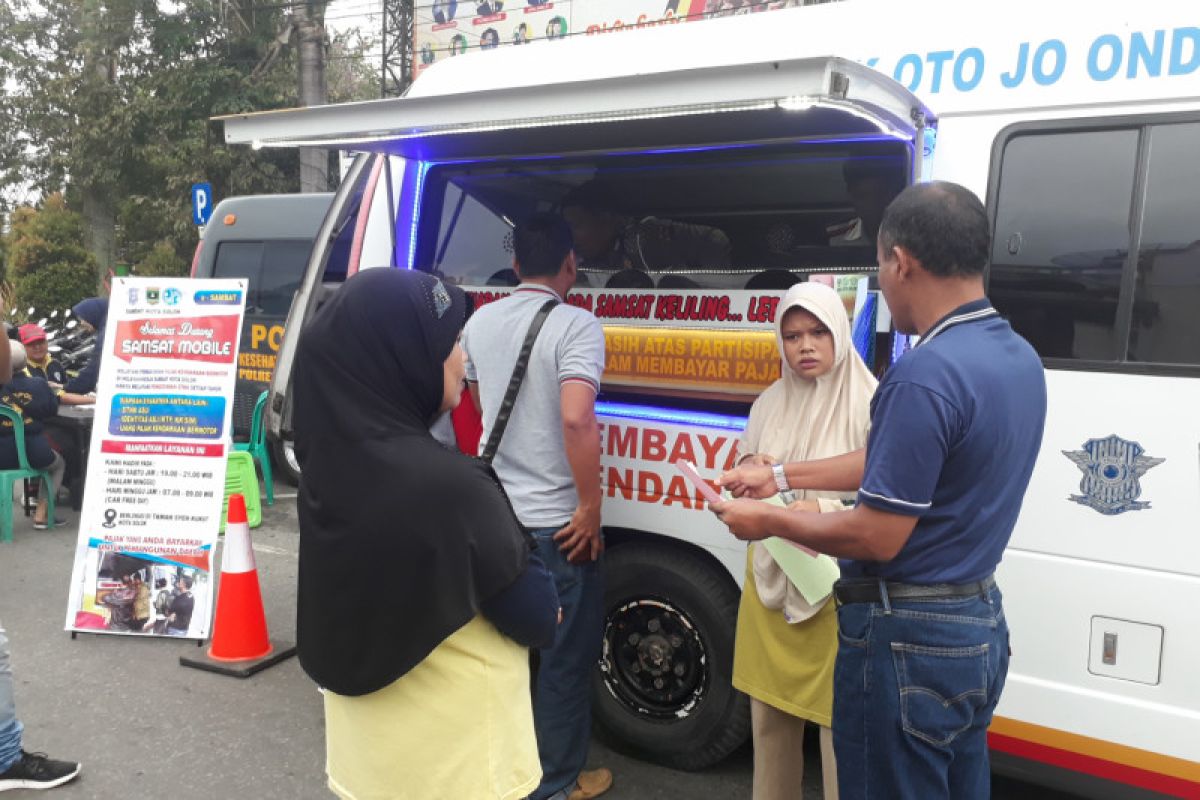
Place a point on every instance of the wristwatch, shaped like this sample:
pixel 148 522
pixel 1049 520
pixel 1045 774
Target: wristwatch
pixel 780 479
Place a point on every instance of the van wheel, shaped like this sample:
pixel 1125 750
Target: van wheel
pixel 663 685
pixel 283 456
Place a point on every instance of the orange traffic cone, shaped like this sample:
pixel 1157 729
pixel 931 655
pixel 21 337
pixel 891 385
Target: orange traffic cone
pixel 240 644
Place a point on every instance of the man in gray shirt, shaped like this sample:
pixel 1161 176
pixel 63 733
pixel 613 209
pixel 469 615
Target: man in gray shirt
pixel 549 463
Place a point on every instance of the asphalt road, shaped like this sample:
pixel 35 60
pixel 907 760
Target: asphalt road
pixel 145 727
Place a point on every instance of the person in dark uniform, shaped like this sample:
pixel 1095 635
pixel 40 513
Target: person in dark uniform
pixel 956 426
pixel 40 364
pixel 179 615
pixel 35 401
pixel 65 435
pixel 93 313
pixel 608 239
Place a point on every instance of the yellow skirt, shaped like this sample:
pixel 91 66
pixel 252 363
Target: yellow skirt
pixel 459 725
pixel 786 666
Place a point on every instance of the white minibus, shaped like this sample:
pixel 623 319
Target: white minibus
pixel 1079 124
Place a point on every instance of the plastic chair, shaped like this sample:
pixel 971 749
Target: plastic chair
pixel 257 447
pixel 240 478
pixel 9 477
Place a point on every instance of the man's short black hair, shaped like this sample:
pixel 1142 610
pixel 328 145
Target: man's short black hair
pixel 541 244
pixel 943 225
pixel 185 581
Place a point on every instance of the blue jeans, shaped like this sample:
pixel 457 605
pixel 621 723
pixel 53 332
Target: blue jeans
pixel 562 705
pixel 915 686
pixel 10 726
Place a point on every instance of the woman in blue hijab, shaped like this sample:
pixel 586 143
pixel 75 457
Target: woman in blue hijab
pixel 93 313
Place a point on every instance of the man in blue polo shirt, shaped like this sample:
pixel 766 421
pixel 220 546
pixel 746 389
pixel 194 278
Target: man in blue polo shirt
pixel 956 428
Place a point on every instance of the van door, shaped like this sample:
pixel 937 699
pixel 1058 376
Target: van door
pixel 331 259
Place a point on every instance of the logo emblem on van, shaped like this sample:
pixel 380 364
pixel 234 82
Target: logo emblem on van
pixel 1111 470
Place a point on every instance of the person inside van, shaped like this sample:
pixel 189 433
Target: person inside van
pixel 785 646
pixel 608 239
pixel 872 183
pixel 416 608
pixel 92 314
pixel 35 401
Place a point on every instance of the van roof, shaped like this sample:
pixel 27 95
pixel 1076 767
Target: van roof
pixel 1021 54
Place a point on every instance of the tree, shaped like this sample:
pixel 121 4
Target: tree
pixel 47 263
pixel 114 104
pixel 162 260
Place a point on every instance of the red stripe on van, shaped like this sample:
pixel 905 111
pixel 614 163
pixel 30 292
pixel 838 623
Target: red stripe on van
pixel 1098 767
pixel 364 211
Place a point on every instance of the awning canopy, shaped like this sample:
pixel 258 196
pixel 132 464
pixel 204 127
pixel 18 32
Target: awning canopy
pixel 807 98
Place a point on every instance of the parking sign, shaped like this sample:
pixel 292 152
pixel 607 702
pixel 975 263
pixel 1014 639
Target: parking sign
pixel 202 203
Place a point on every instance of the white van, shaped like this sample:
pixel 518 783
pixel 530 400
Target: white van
pixel 1079 125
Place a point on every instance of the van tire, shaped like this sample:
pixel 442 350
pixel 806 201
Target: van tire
pixel 283 457
pixel 679 600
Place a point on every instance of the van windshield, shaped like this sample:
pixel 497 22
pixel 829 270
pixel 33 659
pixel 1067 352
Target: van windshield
pixel 757 217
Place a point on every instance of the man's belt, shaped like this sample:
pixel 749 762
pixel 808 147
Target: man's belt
pixel 873 590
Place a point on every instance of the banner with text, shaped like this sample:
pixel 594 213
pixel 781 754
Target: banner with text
pixel 156 473
pixel 447 28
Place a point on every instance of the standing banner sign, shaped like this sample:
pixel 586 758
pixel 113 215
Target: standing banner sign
pixel 156 473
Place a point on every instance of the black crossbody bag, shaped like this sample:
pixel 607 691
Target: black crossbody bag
pixel 514 383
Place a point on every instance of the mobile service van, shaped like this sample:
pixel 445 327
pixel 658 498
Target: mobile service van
pixel 1078 124
pixel 267 240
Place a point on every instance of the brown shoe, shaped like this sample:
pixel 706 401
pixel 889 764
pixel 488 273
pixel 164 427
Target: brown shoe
pixel 592 783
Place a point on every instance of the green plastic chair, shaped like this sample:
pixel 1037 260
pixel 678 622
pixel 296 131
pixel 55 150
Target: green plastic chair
pixel 240 478
pixel 257 447
pixel 9 477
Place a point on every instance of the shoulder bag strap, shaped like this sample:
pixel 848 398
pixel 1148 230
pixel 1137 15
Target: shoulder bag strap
pixel 514 383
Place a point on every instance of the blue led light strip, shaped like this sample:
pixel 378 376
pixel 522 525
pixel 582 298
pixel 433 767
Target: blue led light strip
pixel 676 417
pixel 422 168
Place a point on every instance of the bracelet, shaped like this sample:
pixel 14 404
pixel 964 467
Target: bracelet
pixel 780 479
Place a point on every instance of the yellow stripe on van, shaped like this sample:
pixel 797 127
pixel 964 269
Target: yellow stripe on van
pixel 740 362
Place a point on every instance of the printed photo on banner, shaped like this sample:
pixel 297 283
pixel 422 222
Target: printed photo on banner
pixel 141 594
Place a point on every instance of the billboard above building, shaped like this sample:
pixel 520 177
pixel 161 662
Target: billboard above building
pixel 447 28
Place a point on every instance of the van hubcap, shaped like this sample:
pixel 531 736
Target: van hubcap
pixel 654 661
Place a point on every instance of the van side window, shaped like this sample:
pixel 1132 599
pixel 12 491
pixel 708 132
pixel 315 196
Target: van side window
pixel 1062 238
pixel 1096 255
pixel 471 258
pixel 1166 310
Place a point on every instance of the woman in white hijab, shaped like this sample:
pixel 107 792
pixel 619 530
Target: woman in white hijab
pixel 786 647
